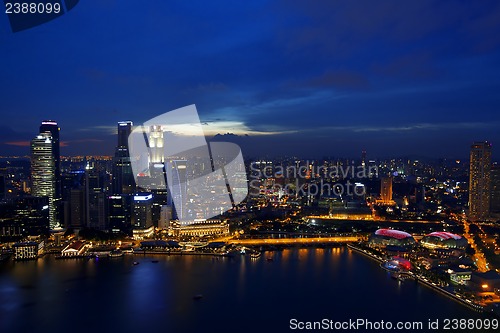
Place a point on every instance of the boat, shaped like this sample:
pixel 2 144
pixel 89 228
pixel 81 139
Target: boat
pixel 255 255
pixel 154 261
pixel 197 297
pixel 116 254
pixel 269 259
pixel 135 263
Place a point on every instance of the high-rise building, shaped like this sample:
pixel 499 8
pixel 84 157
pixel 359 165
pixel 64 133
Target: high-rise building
pixel 156 144
pixel 52 127
pixel 386 190
pixel 77 208
pixel 142 217
pixel 119 212
pixel 95 200
pixel 123 179
pixel 480 181
pixel 495 189
pixel 43 171
pixel 177 174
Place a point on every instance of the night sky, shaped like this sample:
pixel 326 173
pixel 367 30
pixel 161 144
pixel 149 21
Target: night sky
pixel 308 78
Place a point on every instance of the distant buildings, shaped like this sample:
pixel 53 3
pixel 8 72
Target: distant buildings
pixel 480 181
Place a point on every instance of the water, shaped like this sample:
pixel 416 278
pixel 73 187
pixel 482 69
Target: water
pixel 239 295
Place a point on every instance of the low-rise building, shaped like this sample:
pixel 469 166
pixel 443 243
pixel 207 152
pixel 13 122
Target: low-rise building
pixel 74 249
pixel 28 250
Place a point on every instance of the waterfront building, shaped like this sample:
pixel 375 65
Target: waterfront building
pixel 443 240
pixel 28 250
pixel 480 181
pixel 142 216
pixel 199 228
pixel 390 237
pixel 74 249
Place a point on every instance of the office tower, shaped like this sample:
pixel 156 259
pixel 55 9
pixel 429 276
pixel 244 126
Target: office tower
pixel 95 200
pixel 123 179
pixel 142 217
pixel 32 215
pixel 119 214
pixel 52 127
pixel 386 190
pixel 480 181
pixel 77 208
pixel 43 173
pixel 495 189
pixel 176 172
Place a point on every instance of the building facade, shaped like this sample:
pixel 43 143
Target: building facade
pixel 43 171
pixel 480 181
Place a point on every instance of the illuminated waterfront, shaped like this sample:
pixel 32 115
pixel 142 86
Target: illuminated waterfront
pixel 239 295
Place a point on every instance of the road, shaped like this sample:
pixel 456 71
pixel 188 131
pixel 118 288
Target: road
pixel 291 241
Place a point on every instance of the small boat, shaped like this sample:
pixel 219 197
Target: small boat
pixel 197 297
pixel 154 261
pixel 269 259
pixel 255 255
pixel 135 263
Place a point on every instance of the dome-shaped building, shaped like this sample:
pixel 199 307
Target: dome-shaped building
pixel 443 240
pixel 391 237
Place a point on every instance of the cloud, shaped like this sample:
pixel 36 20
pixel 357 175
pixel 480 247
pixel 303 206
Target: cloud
pixel 18 143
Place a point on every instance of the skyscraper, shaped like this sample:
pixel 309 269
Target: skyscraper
pixel 176 172
pixel 480 181
pixel 386 190
pixel 123 179
pixel 43 171
pixel 495 189
pixel 52 127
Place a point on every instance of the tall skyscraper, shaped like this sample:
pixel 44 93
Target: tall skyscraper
pixel 156 144
pixel 176 171
pixel 480 181
pixel 52 127
pixel 43 172
pixel 123 179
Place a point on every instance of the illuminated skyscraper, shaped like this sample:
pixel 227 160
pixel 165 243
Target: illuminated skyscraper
pixel 52 127
pixel 123 179
pixel 156 144
pixel 43 172
pixel 480 181
pixel 386 190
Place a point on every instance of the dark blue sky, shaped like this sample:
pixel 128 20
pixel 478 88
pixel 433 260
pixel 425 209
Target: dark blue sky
pixel 309 78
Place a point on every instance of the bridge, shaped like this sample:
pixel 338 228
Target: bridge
pixel 298 241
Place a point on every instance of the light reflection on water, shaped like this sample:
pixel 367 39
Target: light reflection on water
pixel 239 294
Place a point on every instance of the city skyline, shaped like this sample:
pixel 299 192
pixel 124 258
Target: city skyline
pixel 420 73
